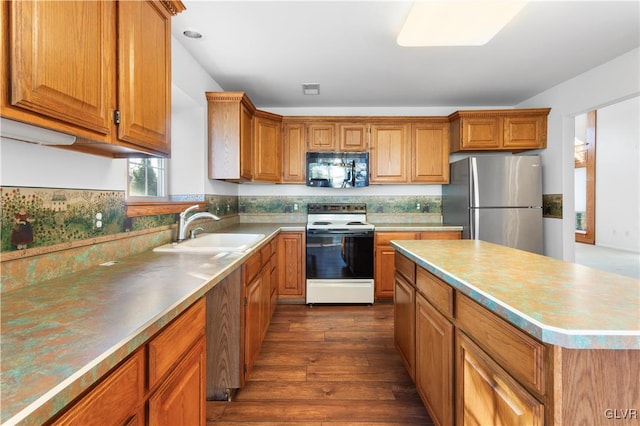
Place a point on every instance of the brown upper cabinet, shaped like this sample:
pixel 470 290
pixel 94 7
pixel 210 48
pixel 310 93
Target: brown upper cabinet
pixel 230 136
pixel 247 144
pixel 353 136
pixel 321 136
pixel 337 135
pixel 499 130
pixel 91 75
pixel 389 155
pixel 267 147
pixel 293 153
pixel 430 152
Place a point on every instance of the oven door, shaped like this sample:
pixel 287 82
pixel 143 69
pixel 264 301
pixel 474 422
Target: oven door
pixel 339 254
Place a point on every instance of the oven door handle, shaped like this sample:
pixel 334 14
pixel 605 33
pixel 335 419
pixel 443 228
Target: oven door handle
pixel 343 231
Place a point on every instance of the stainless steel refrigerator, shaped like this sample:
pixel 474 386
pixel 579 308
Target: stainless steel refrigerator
pixel 496 199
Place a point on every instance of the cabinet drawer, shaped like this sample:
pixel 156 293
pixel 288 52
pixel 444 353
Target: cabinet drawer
pixel 251 268
pixel 406 268
pixel 174 340
pixel 116 400
pixel 440 235
pixel 439 293
pixel 386 237
pixel 265 253
pixel 521 355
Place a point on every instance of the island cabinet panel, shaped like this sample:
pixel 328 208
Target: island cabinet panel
pixel 596 387
pixel 439 293
pixel 117 400
pixel 404 322
pixel 293 153
pixel 434 361
pixel 430 153
pixel 291 264
pixel 514 350
pixel 487 394
pixel 389 153
pixel 101 71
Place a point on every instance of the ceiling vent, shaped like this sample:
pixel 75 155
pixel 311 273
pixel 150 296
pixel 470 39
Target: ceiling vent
pixel 311 89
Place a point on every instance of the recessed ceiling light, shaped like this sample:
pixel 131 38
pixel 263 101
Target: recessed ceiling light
pixel 311 89
pixel 456 23
pixel 192 34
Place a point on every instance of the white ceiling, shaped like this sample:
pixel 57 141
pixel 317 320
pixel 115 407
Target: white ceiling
pixel 269 48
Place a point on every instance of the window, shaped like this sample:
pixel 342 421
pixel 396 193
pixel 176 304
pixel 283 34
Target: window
pixel 147 178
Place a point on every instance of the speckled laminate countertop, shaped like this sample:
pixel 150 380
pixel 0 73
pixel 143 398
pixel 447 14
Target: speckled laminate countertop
pixel 560 303
pixel 59 337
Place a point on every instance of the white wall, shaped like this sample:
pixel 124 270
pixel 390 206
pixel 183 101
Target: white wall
pixel 609 83
pixel 618 175
pixel 188 166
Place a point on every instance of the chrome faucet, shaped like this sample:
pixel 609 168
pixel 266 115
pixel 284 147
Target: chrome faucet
pixel 185 221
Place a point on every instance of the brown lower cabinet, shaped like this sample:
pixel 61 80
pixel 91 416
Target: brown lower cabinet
pixel 173 365
pixel 472 367
pixel 384 255
pixel 240 309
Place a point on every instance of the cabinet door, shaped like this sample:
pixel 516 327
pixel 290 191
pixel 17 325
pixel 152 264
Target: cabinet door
pixel 268 150
pixel 144 74
pixel 389 153
pixel 404 322
pixel 486 394
pixel 430 153
pixel 291 265
pixel 321 136
pixel 352 137
pixel 526 132
pixel 434 361
pixel 62 65
pixel 384 271
pixel 180 400
pixel 481 132
pixel 293 153
pixel 118 400
pixel 252 332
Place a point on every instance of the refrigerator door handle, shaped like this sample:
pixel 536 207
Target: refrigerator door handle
pixel 475 194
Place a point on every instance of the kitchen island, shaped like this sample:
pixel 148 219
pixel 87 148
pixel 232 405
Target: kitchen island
pixel 513 335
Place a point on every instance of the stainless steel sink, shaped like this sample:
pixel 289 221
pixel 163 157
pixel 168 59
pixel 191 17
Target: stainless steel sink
pixel 214 243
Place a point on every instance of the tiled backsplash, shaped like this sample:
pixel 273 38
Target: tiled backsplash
pixel 39 217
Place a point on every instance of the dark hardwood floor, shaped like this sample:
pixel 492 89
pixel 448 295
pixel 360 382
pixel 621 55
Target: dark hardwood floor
pixel 326 365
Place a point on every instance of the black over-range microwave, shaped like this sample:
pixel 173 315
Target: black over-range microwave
pixel 338 169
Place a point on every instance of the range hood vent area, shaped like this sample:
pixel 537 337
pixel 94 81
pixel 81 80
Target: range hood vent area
pixel 16 130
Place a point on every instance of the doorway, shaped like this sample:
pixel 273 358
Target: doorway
pixel 585 177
